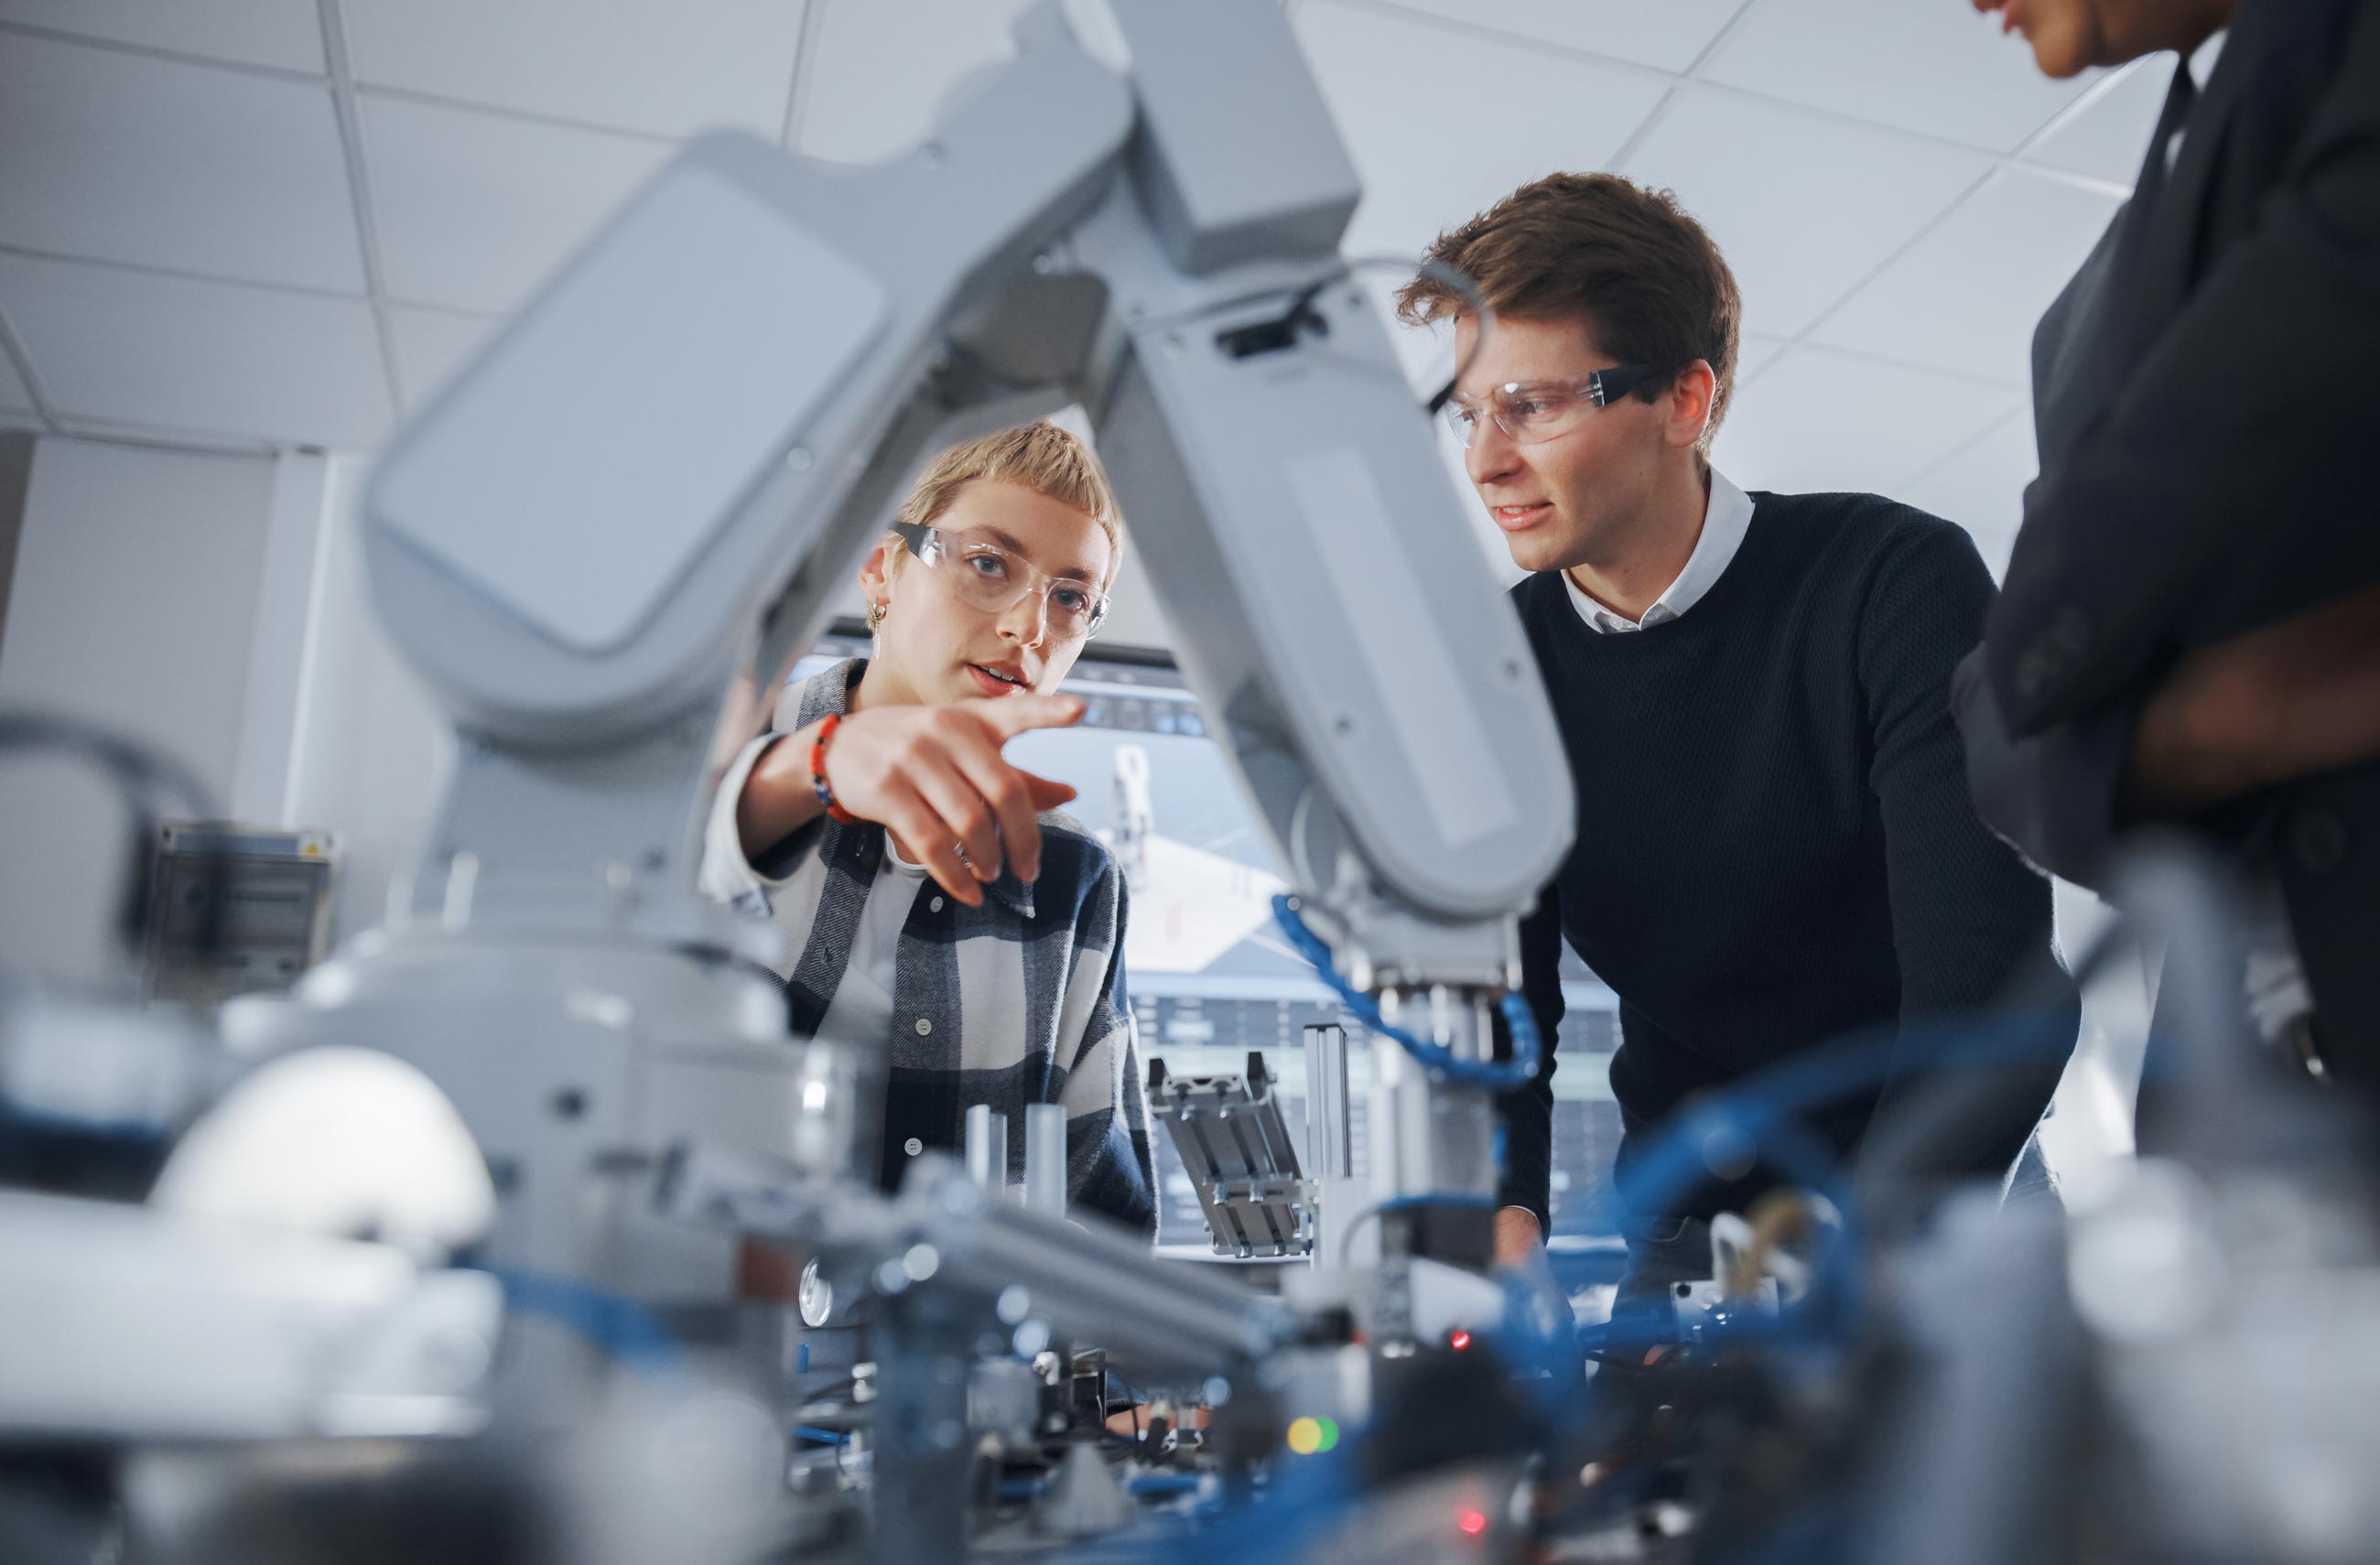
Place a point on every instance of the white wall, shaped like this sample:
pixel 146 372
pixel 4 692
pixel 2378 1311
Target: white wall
pixel 134 605
pixel 369 751
pixel 211 606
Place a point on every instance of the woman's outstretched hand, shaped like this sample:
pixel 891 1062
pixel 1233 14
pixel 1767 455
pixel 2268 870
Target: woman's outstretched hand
pixel 933 776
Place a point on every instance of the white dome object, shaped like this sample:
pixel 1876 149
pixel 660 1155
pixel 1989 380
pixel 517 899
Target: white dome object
pixel 336 1140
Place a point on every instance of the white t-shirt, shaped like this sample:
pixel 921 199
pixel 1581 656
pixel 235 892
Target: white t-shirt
pixel 862 1011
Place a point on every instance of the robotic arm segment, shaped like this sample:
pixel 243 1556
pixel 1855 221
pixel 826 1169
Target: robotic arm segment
pixel 568 541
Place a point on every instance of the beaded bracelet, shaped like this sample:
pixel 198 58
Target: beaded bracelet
pixel 834 811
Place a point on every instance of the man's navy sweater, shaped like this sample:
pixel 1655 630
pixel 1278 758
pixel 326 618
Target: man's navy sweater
pixel 1775 841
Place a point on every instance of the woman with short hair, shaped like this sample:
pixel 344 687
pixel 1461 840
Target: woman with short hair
pixel 939 908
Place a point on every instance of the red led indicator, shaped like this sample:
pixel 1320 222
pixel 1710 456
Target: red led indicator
pixel 1473 1522
pixel 1458 1340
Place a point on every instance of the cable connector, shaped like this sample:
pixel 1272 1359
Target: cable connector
pixel 1442 1062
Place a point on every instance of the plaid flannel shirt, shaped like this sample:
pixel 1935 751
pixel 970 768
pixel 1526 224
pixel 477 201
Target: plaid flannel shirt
pixel 1019 1002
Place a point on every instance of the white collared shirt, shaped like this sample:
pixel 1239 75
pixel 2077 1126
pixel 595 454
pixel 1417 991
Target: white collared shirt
pixel 1726 517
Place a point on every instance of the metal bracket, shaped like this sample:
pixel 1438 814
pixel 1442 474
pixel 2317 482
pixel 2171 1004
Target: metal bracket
pixel 1237 1150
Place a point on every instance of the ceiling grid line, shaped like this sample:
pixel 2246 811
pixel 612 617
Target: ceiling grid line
pixel 1652 122
pixel 2021 410
pixel 159 437
pixel 155 51
pixel 531 116
pixel 1645 128
pixel 1440 20
pixel 351 144
pixel 180 273
pixel 1993 382
pixel 1747 94
pixel 1802 337
pixel 2074 109
pixel 12 344
pixel 806 52
pixel 1717 40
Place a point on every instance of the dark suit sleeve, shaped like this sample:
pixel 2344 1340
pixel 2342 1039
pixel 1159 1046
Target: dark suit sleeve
pixel 2229 480
pixel 1527 1113
pixel 1966 911
pixel 2052 795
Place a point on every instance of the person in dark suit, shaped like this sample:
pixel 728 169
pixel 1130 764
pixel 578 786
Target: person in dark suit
pixel 2189 632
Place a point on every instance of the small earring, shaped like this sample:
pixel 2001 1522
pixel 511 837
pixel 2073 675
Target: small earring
pixel 876 613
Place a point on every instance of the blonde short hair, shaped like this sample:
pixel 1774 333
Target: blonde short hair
pixel 1040 457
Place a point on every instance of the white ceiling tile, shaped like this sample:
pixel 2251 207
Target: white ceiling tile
pixel 1669 34
pixel 2106 133
pixel 12 394
pixel 283 34
pixel 474 209
pixel 670 67
pixel 130 158
pixel 1819 420
pixel 1422 175
pixel 1752 352
pixel 880 67
pixel 1930 65
pixel 1967 295
pixel 221 357
pixel 1803 205
pixel 1996 551
pixel 432 344
pixel 1982 487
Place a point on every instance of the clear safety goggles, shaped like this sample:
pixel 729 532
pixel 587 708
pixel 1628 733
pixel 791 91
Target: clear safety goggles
pixel 997 579
pixel 1534 411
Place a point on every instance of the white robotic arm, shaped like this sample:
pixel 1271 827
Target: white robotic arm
pixel 657 475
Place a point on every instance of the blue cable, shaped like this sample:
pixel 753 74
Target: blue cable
pixel 1765 1111
pixel 1759 1106
pixel 1439 1060
pixel 621 1326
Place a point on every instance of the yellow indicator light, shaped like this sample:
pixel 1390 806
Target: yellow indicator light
pixel 1305 1435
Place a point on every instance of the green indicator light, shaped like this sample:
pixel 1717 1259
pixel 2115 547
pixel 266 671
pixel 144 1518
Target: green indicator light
pixel 1330 1434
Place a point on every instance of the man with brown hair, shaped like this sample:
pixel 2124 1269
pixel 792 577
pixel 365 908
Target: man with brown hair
pixel 1775 846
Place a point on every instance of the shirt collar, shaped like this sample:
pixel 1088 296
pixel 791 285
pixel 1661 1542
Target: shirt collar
pixel 828 693
pixel 1726 517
